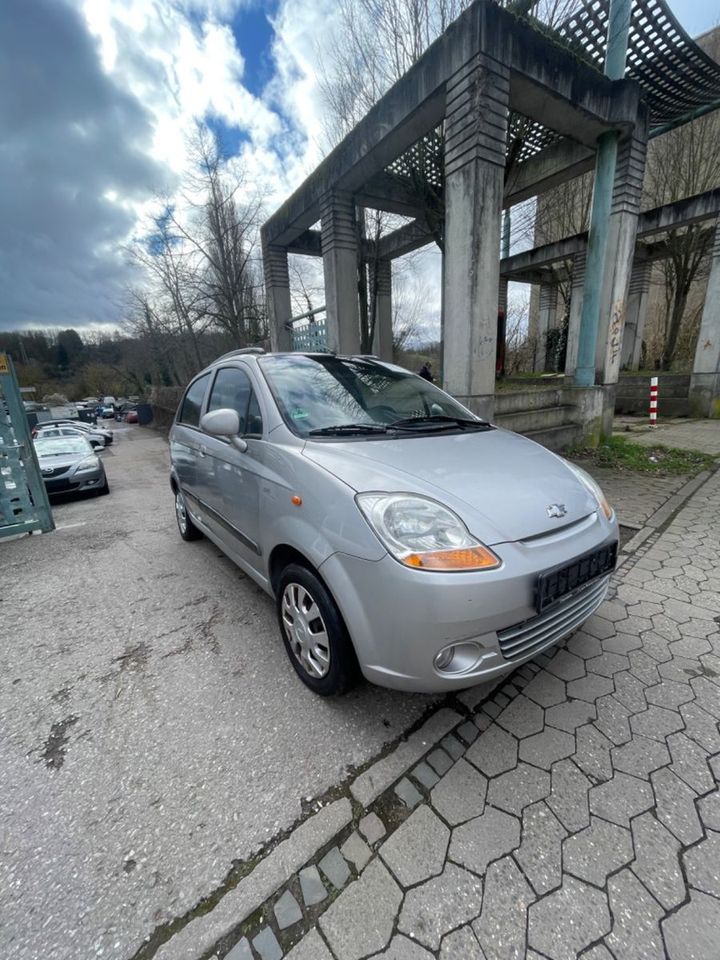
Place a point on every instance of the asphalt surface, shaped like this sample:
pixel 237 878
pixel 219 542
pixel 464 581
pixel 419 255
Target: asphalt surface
pixel 152 730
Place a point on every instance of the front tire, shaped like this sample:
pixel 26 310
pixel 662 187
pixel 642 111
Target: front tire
pixel 187 529
pixel 105 489
pixel 315 637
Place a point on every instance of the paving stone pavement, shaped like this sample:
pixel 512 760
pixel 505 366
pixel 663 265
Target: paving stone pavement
pixel 576 813
pixel 702 435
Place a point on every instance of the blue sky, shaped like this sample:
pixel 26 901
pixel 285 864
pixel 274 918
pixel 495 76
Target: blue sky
pixel 696 16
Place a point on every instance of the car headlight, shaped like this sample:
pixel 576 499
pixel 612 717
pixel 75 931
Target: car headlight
pixel 593 487
pixel 423 534
pixel 88 464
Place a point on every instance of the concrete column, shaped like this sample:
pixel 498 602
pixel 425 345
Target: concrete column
pixel 622 232
pixel 339 241
pixel 382 339
pixel 475 135
pixel 547 319
pixel 705 379
pixel 576 298
pixel 277 286
pixel 501 328
pixel 638 293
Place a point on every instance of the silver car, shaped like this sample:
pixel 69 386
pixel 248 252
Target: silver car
pixel 401 537
pixel 69 465
pixel 95 439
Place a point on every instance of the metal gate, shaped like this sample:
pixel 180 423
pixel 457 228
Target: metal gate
pixel 24 504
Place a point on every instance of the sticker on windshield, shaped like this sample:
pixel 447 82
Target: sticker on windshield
pixel 299 414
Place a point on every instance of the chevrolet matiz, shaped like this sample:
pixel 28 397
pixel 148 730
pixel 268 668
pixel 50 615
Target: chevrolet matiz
pixel 401 537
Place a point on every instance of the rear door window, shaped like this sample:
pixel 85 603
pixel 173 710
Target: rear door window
pixel 192 402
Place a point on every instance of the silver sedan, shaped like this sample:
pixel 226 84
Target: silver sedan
pixel 70 465
pixel 401 536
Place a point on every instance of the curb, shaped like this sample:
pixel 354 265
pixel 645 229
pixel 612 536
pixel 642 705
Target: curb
pixel 665 513
pixel 202 933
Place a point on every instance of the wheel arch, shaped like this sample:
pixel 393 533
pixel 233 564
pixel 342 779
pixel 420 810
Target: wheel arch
pixel 280 557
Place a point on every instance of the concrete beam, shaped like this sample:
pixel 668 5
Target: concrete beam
pixel 403 240
pixel 308 244
pixel 703 206
pixel 554 165
pixel 391 194
pixel 545 256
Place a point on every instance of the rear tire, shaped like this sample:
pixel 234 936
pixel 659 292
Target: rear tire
pixel 188 530
pixel 315 637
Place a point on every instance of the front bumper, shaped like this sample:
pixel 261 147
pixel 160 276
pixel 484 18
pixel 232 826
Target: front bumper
pixel 400 619
pixel 75 483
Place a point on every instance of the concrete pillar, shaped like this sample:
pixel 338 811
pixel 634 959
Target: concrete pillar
pixel 277 286
pixel 576 297
pixel 339 241
pixel 622 231
pixel 475 136
pixel 382 339
pixel 501 328
pixel 705 379
pixel 547 319
pixel 637 302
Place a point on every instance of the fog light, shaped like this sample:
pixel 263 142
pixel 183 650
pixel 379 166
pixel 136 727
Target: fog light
pixel 443 659
pixel 460 657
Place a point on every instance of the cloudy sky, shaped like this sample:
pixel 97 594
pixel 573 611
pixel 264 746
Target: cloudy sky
pixel 96 100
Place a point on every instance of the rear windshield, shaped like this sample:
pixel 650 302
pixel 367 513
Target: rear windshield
pixel 316 392
pixel 49 446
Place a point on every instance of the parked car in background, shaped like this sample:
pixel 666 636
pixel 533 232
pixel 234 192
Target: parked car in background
pixel 400 535
pixel 85 428
pixel 69 465
pixel 106 412
pixel 131 416
pixel 96 440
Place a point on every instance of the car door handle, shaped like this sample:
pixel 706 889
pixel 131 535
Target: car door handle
pixel 203 451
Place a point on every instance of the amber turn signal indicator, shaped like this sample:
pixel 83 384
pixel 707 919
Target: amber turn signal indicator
pixel 296 500
pixel 473 558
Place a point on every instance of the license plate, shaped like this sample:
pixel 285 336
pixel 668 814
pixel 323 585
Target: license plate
pixel 558 583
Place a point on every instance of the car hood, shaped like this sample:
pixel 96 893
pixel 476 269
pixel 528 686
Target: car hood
pixel 61 461
pixel 500 483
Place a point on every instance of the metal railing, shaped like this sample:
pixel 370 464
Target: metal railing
pixel 307 334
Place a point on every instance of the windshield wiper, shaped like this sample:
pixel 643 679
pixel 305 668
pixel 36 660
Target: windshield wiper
pixel 341 429
pixel 441 422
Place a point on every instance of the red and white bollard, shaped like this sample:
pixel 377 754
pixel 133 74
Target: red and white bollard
pixel 653 401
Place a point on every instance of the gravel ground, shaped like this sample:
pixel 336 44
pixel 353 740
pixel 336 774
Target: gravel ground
pixel 152 730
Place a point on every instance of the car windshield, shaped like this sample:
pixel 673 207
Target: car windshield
pixel 61 446
pixel 324 394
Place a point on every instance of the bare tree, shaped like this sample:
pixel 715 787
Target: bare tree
pixel 682 163
pixel 220 225
pixel 201 266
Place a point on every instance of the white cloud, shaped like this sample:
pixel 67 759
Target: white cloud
pixel 97 100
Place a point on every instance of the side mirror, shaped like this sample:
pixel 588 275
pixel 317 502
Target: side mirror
pixel 224 423
pixel 221 423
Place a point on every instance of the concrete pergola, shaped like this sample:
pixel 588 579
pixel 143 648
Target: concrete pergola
pixel 485 71
pixel 550 263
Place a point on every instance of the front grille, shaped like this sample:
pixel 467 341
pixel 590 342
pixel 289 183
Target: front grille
pixel 54 471
pixel 58 486
pixel 535 634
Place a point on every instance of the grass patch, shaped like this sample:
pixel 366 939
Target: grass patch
pixel 618 453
